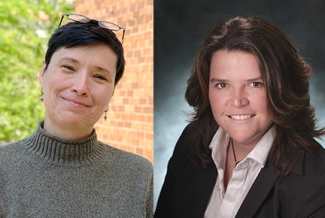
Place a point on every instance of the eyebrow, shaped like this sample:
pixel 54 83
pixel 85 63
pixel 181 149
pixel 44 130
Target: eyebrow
pixel 218 80
pixel 225 80
pixel 68 59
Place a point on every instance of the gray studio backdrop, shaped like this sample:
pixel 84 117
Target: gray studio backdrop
pixel 180 27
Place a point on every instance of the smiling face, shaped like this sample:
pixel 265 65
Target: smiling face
pixel 238 97
pixel 78 85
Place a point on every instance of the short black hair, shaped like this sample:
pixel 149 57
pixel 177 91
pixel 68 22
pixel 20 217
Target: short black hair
pixel 79 34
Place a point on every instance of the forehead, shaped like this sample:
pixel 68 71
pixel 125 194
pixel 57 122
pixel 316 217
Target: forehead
pixel 234 63
pixel 96 53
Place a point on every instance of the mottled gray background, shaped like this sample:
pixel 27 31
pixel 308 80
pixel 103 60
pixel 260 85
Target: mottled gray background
pixel 180 27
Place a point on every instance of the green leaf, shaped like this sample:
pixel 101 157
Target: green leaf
pixel 25 27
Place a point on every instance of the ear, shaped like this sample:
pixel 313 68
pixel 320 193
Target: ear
pixel 41 73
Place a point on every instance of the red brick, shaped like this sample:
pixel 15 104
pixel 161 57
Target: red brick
pixel 130 116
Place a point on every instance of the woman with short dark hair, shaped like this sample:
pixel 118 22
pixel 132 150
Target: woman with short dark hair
pixel 62 170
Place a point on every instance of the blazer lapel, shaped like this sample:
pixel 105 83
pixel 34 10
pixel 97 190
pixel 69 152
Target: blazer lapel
pixel 258 192
pixel 204 183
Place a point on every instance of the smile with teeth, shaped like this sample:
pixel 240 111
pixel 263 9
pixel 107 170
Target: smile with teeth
pixel 240 117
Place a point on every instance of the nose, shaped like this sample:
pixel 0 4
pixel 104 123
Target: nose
pixel 80 85
pixel 239 97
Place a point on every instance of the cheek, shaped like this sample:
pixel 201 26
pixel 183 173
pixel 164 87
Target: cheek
pixel 267 114
pixel 261 102
pixel 217 100
pixel 53 80
pixel 54 87
pixel 261 105
pixel 105 95
pixel 217 105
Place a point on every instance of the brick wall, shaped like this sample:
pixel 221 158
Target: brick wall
pixel 130 117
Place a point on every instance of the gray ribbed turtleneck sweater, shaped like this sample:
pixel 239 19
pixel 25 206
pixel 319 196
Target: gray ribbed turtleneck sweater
pixel 45 176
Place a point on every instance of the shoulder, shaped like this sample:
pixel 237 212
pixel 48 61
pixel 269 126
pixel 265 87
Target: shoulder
pixel 181 155
pixel 303 189
pixel 309 168
pixel 10 151
pixel 181 159
pixel 309 171
pixel 182 146
pixel 11 157
pixel 314 185
pixel 127 159
pixel 315 163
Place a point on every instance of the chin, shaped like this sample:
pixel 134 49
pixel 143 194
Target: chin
pixel 71 120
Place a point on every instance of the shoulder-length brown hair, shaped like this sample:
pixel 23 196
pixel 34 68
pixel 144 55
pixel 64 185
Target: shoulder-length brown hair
pixel 285 75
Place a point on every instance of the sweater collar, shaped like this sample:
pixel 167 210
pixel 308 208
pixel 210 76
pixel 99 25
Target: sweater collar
pixel 60 151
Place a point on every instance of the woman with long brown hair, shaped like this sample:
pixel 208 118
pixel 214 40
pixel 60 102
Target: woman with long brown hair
pixel 249 150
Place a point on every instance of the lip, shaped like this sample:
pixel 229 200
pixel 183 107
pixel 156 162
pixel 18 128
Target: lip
pixel 78 103
pixel 241 117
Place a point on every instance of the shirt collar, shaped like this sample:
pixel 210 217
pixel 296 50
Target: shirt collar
pixel 259 154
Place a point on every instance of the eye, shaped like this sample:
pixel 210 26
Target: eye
pixel 68 67
pixel 257 84
pixel 221 85
pixel 100 77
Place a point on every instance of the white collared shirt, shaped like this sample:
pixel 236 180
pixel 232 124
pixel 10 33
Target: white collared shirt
pixel 226 204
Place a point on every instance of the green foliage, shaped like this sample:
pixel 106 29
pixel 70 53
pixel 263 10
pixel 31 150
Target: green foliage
pixel 25 27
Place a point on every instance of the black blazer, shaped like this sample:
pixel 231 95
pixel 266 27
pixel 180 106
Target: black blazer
pixel 187 188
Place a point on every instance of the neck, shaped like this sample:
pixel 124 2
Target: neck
pixel 56 150
pixel 66 132
pixel 239 152
pixel 234 152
